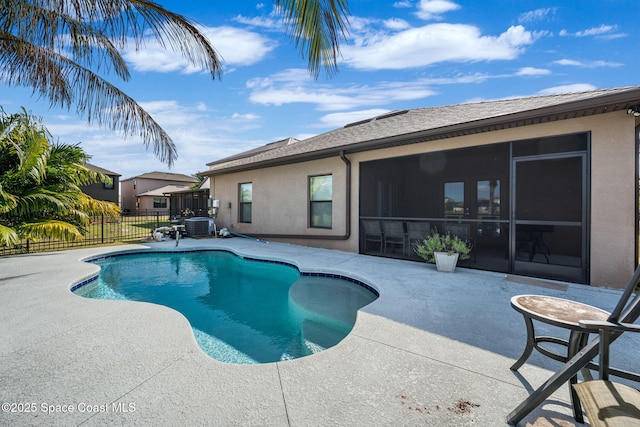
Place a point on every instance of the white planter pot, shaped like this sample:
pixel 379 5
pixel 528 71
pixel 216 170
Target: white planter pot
pixel 446 262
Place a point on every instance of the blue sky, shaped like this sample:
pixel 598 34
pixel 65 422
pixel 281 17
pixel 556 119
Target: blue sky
pixel 398 55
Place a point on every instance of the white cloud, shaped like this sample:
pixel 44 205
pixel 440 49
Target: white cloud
pixel 572 62
pixel 294 86
pixel 431 44
pixel 532 71
pixel 587 64
pixel 402 4
pixel 245 117
pixel 536 15
pixel 200 135
pixel 602 31
pixel 237 47
pixel 273 21
pixel 336 120
pixel 240 47
pixel 577 87
pixel 433 9
pixel 396 24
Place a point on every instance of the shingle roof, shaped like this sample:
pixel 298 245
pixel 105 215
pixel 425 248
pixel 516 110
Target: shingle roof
pixel 165 176
pixel 160 192
pixel 424 124
pixel 100 170
pixel 258 150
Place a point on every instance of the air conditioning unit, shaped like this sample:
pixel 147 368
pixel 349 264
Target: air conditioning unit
pixel 198 226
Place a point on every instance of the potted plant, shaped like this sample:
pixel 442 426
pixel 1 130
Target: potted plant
pixel 443 249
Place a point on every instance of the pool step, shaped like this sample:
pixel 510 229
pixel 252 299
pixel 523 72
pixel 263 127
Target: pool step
pixel 319 336
pixel 314 338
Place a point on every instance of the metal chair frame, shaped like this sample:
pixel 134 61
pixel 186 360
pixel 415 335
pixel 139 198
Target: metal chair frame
pixel 627 311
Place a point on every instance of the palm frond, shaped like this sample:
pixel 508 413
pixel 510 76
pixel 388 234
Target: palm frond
pixel 94 207
pixel 48 27
pixel 51 229
pixel 317 28
pixel 8 236
pixel 8 201
pixel 93 96
pixel 57 47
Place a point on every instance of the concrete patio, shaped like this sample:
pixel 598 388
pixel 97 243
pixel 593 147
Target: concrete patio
pixel 433 350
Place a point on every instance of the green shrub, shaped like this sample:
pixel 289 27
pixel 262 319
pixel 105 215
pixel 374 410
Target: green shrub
pixel 437 242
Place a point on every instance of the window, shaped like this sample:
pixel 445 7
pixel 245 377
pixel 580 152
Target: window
pixel 159 203
pixel 246 199
pixel 454 199
pixel 109 185
pixel 489 199
pixel 320 201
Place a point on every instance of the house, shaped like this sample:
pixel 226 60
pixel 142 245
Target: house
pixel 191 201
pixel 543 186
pixel 149 190
pixel 99 191
pixel 109 192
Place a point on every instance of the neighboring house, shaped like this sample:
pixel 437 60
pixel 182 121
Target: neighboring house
pixel 544 186
pixel 149 191
pixel 190 201
pixel 107 192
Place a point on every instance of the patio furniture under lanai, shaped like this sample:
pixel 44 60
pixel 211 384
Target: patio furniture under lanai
pixel 371 234
pixel 394 235
pixel 416 233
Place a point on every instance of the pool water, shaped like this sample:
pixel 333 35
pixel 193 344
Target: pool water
pixel 241 310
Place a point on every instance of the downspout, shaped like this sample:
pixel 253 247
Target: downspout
pixel 637 192
pixel 347 229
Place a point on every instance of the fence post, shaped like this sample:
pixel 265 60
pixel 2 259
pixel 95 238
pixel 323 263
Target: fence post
pixel 102 228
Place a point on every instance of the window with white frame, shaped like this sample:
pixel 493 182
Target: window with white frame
pixel 320 201
pixel 245 201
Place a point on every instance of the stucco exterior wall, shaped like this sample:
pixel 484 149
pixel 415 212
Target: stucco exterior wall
pixel 280 194
pixel 280 202
pixel 613 207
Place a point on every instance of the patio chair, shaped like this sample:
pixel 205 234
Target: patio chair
pixel 608 403
pixel 416 233
pixel 581 355
pixel 371 234
pixel 393 235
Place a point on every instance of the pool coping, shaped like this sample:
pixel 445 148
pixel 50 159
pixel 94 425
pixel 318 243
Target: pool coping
pixel 406 362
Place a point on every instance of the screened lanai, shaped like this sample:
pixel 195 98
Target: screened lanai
pixel 523 205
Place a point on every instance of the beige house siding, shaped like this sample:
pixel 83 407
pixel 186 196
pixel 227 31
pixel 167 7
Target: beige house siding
pixel 280 193
pixel 280 198
pixel 613 205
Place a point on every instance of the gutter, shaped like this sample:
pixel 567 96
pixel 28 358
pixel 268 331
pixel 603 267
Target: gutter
pixel 347 231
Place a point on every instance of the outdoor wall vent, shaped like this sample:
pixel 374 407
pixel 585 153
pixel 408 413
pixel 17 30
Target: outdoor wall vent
pixel 392 114
pixel 357 123
pixel 382 117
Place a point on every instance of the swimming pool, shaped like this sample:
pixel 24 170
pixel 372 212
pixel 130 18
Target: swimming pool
pixel 241 310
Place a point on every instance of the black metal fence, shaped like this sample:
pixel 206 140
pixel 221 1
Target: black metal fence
pixel 129 227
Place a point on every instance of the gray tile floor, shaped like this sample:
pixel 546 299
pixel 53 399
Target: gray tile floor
pixel 433 350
